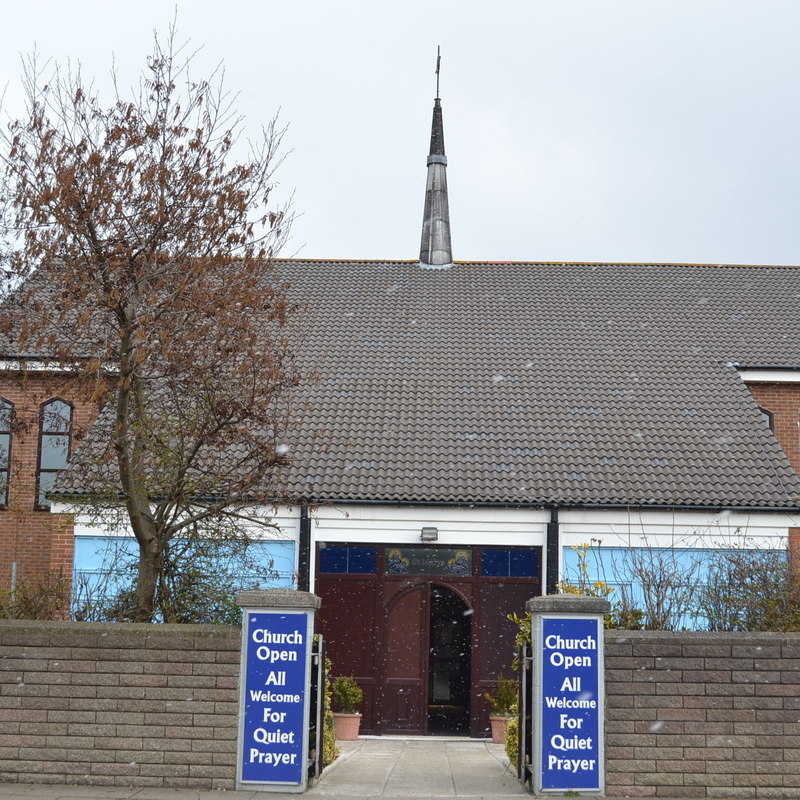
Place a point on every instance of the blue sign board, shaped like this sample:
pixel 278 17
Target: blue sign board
pixel 568 715
pixel 273 726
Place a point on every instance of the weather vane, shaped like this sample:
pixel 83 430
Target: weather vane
pixel 438 64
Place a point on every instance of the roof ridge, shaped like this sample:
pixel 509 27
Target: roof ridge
pixel 543 263
pixel 636 264
pixel 347 260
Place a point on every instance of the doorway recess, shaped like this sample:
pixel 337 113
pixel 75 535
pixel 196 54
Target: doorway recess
pixel 449 669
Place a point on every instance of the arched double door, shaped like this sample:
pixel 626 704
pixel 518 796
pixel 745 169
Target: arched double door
pixel 426 674
pixel 424 647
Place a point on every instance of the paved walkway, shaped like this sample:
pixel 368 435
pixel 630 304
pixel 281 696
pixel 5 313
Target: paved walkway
pixel 386 768
pixel 424 768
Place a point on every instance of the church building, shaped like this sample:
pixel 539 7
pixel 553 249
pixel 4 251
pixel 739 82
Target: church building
pixel 473 424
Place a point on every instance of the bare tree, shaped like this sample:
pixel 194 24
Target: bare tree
pixel 667 580
pixel 751 590
pixel 138 250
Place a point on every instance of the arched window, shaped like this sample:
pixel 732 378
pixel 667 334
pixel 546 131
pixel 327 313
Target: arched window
pixel 6 418
pixel 767 417
pixel 55 425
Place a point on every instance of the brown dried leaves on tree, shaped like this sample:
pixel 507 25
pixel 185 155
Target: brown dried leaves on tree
pixel 139 251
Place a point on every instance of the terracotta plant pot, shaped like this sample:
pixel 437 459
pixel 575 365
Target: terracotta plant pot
pixel 347 726
pixel 499 725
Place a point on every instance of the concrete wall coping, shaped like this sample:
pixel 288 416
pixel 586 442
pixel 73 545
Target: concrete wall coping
pixel 278 598
pixel 692 637
pixel 568 604
pixel 150 628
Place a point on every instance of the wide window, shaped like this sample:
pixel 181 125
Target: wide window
pixel 346 558
pixel 6 417
pixel 55 423
pixel 509 562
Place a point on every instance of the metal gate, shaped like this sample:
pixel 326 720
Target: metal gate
pixel 316 717
pixel 525 719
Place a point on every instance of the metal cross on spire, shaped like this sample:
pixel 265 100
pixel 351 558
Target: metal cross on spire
pixel 438 64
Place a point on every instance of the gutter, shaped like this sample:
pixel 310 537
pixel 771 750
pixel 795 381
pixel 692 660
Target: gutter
pixel 304 551
pixel 566 506
pixel 538 506
pixel 552 552
pixel 784 367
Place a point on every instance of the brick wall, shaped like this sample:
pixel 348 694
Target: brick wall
pixel 118 705
pixel 703 715
pixel 40 543
pixel 688 714
pixel 782 400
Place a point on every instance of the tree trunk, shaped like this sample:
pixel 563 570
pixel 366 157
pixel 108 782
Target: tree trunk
pixel 148 572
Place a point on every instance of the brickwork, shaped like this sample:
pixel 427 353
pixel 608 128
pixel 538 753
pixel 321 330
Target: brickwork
pixel 703 715
pixel 687 714
pixel 38 542
pixel 118 705
pixel 782 400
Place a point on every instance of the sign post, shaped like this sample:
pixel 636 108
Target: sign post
pixel 274 697
pixel 569 695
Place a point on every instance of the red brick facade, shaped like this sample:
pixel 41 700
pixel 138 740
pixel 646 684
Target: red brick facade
pixel 782 400
pixel 794 550
pixel 39 543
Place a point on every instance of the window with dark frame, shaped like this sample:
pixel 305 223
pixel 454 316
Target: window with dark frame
pixel 6 418
pixel 768 418
pixel 55 424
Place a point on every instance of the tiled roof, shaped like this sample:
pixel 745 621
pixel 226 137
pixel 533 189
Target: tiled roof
pixel 495 382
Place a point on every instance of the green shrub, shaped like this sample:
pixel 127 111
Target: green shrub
pixel 329 750
pixel 347 695
pixel 512 741
pixel 504 699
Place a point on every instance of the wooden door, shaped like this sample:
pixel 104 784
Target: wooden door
pixel 405 670
pixel 347 620
pixel 493 640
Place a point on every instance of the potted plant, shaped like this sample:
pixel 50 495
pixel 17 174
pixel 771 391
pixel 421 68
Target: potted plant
pixel 347 697
pixel 504 704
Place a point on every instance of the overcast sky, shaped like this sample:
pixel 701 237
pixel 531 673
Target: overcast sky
pixel 575 129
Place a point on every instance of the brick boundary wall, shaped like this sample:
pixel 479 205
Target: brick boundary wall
pixel 703 714
pixel 687 714
pixel 118 704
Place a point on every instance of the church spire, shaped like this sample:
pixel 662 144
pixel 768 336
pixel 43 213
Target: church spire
pixel 435 250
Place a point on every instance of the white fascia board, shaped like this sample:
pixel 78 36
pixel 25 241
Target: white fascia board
pixel 770 375
pixel 17 365
pixel 330 511
pixel 379 524
pixel 689 518
pixel 59 507
pixel 685 529
pixel 39 365
pixel 287 518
